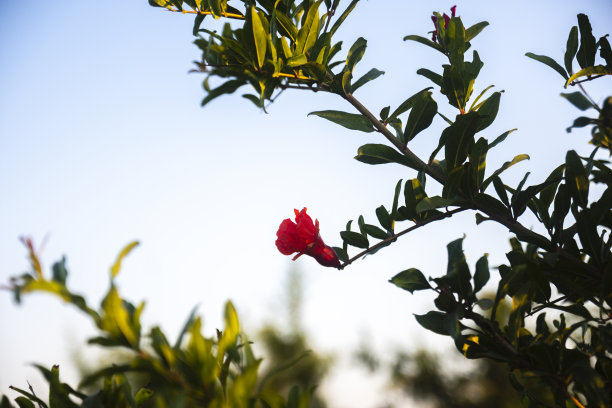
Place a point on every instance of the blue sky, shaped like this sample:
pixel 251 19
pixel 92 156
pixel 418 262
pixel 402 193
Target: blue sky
pixel 102 141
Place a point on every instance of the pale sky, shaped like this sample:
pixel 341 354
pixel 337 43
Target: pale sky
pixel 102 141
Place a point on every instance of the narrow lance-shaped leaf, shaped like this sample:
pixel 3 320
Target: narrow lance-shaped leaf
pixel 351 121
pixel 478 157
pixel 369 76
pixel 406 105
pixel 578 100
pixel 307 35
pixel 605 51
pixel 500 138
pixel 124 252
pixel 260 40
pixel 425 41
pixel 431 203
pixel 432 76
pixel 550 62
pixel 474 30
pixel 481 275
pixel 343 17
pixel 504 167
pixel 225 88
pixel 424 108
pixel 576 178
pixel 570 49
pixel 588 46
pixel 488 111
pixel 398 188
pixel 381 154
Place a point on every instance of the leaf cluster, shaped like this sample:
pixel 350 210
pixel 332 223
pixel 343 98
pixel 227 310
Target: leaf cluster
pixel 192 371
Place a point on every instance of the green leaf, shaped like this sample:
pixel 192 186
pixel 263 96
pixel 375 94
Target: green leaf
pixel 355 239
pixel 458 139
pixel 481 275
pixel 398 188
pixel 407 104
pixel 384 218
pixel 351 121
pixel 197 23
pixel 458 270
pixel 588 48
pixel 186 327
pixel 588 71
pixel 23 402
pixel 517 159
pixel 605 51
pixel 374 231
pixel 581 121
pixel 384 113
pixel 432 76
pixel 474 30
pixel 578 100
pixel 500 138
pixel 381 154
pixel 343 17
pixel 342 255
pixel 296 61
pixel 425 41
pixel 60 273
pixel 124 252
pixel 143 395
pixel 550 62
pixel 576 178
pixel 355 53
pixel 255 99
pixel 287 28
pixel 260 40
pixel 307 35
pixel 225 88
pixel 369 76
pixel 488 111
pixel 548 194
pixel 424 108
pixel 478 163
pixel 411 279
pixel 434 321
pixel 431 203
pixel 522 198
pixel 570 49
pixel 500 189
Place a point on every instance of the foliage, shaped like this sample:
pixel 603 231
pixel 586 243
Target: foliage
pixel 194 371
pixel 559 273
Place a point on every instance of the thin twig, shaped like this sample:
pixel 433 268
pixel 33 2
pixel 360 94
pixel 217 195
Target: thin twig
pixel 414 159
pixel 207 13
pixel 586 80
pixel 392 238
pixel 588 97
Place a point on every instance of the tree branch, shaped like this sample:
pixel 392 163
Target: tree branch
pixel 392 238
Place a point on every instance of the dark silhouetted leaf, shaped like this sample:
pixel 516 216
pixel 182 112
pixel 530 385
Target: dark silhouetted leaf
pixel 550 62
pixel 351 121
pixel 411 279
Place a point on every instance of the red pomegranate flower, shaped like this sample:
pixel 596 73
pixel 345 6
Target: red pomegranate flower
pixel 302 236
pixel 434 18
